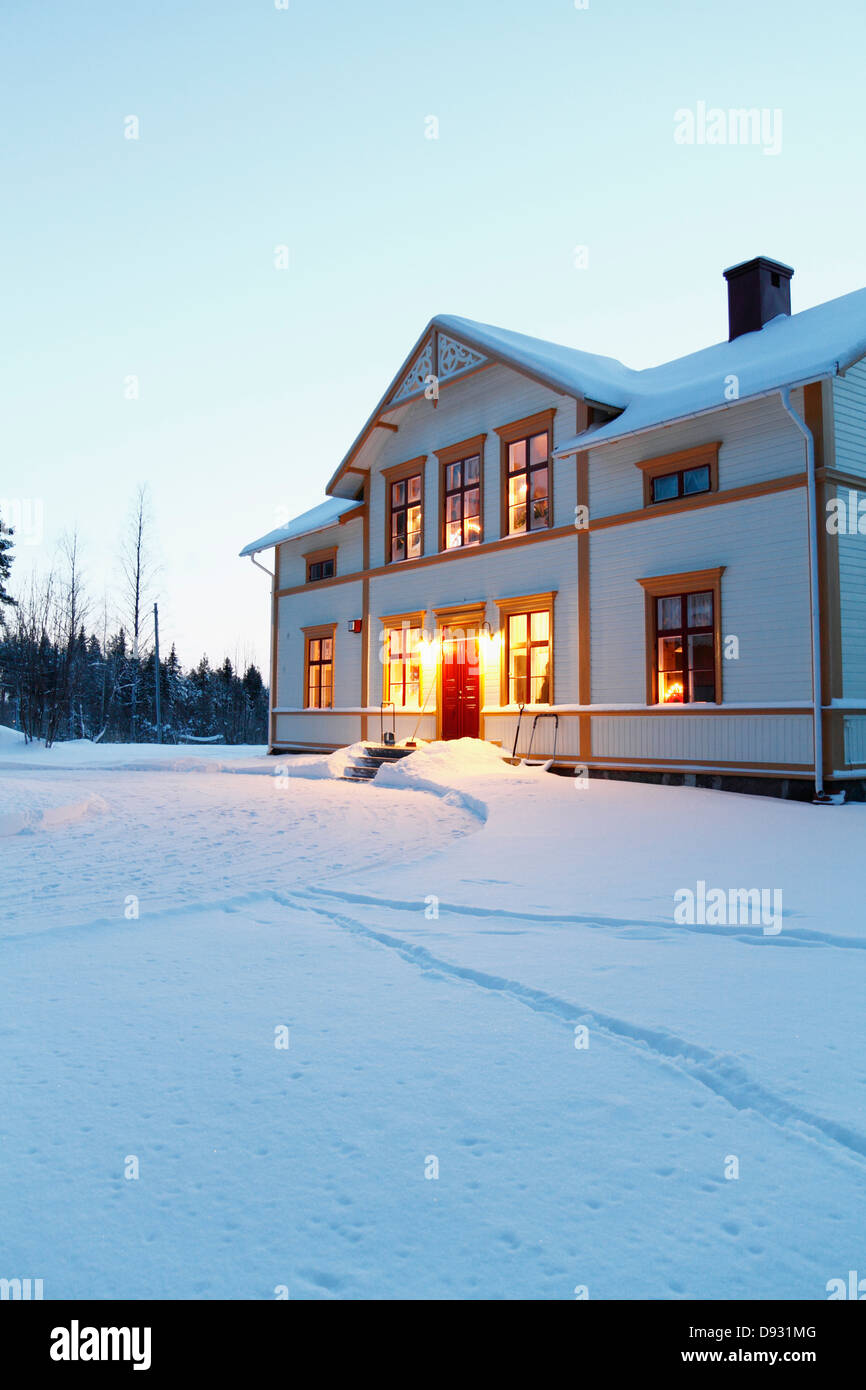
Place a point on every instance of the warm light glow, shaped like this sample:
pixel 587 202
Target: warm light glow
pixel 672 693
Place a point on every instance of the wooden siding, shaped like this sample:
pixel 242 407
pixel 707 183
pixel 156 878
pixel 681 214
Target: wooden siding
pixel 765 596
pixel 758 442
pixel 714 738
pixel 849 419
pixel 855 740
pixel 331 604
pixel 316 730
pixel 852 601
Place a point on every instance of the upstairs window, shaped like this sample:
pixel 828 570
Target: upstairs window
pixel 684 483
pixel 321 565
pixel 404 537
pixel 528 484
pixel 461 482
pixel 527 502
pixel 677 477
pixel 463 502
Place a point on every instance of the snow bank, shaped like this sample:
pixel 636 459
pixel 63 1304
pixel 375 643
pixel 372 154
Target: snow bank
pixel 454 771
pixel 10 739
pixel 320 765
pixel 450 769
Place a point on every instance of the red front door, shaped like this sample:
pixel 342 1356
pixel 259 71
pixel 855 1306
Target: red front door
pixel 461 684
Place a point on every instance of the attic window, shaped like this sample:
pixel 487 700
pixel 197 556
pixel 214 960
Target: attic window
pixel 321 564
pixel 675 478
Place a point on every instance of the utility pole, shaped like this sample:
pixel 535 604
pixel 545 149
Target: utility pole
pixel 156 672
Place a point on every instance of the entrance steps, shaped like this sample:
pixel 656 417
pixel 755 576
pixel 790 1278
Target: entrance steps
pixel 367 764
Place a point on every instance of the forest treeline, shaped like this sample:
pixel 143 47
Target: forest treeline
pixel 62 676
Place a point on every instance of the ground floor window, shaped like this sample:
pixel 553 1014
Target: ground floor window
pixel 529 658
pixel 683 638
pixel 319 667
pixel 686 656
pixel 403 666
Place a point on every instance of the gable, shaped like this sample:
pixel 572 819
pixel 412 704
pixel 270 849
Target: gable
pixel 451 349
pixel 441 359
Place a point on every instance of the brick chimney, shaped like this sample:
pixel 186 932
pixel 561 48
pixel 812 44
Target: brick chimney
pixel 758 290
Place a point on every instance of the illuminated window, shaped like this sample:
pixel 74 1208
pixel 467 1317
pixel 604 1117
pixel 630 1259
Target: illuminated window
pixel 406 518
pixel 686 648
pixel 403 666
pixel 462 491
pixel 528 500
pixel 319 691
pixel 528 658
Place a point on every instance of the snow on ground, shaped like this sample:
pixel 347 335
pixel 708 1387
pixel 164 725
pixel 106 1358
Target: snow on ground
pixel 431 941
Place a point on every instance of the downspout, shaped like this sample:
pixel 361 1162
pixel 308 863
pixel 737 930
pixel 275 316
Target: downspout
pixel 812 493
pixel 271 682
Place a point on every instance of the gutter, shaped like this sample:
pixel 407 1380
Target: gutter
pixel 785 396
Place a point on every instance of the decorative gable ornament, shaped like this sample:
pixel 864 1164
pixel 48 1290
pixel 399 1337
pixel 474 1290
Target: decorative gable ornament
pixel 440 359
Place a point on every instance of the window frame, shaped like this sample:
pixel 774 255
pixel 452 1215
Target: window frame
pixel 322 631
pixel 320 557
pixel 699 456
pixel 514 607
pixel 673 586
pixel 514 433
pixel 399 473
pixel 459 453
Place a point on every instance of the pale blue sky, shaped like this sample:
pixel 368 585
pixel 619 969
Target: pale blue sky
pixel 306 127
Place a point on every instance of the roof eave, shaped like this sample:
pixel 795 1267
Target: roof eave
pixel 266 543
pixel 583 442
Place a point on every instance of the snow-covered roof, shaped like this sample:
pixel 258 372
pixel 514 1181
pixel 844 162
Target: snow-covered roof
pixel 567 369
pixel 316 519
pixel 571 371
pixel 787 351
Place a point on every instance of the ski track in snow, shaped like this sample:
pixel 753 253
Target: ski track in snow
pixel 752 936
pixel 720 1073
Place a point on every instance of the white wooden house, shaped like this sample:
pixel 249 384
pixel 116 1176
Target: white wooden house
pixel 673 560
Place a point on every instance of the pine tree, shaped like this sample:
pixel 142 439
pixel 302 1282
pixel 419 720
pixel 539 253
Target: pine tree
pixel 6 534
